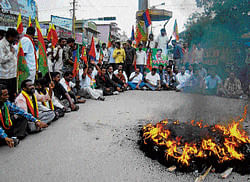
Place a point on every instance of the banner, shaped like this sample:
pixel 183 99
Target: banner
pixel 25 7
pixel 65 23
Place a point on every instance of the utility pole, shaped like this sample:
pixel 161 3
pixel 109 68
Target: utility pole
pixel 73 17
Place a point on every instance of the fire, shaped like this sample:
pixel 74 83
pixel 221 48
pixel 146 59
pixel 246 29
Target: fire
pixel 183 152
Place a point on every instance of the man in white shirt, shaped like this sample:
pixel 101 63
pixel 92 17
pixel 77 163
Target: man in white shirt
pixel 58 55
pixel 105 54
pixel 8 62
pixel 88 84
pixel 30 51
pixel 162 41
pixel 141 58
pixel 153 80
pixel 135 80
pixel 151 42
pixel 69 86
pixel 181 78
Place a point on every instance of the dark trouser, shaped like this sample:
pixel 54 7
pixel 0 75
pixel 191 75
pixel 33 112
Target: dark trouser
pixel 11 86
pixel 129 69
pixel 18 129
pixel 106 92
pixel 59 111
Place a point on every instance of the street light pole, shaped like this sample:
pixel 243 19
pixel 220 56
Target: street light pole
pixel 74 18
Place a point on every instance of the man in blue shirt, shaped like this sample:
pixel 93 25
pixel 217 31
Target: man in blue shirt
pixel 213 83
pixel 10 126
pixel 111 51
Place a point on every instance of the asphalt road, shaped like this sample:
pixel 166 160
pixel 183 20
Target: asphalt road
pixel 99 143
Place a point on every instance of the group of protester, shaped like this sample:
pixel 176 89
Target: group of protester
pixel 44 99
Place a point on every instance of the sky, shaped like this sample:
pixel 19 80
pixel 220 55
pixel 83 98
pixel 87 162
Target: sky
pixel 123 10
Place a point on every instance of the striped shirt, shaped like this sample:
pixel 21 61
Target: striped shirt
pixel 8 60
pixel 13 109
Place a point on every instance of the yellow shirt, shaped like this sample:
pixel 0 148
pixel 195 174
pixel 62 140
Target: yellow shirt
pixel 119 55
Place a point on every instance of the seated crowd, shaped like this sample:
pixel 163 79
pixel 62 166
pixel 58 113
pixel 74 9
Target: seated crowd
pixel 48 98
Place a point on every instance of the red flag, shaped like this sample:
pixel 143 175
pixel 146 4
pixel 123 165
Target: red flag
pixel 109 41
pixel 149 61
pixel 76 63
pixel 84 55
pixel 92 53
pixel 52 35
pixel 49 36
pixel 19 24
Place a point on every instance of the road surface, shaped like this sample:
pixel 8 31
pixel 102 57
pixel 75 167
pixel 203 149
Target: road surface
pixel 99 143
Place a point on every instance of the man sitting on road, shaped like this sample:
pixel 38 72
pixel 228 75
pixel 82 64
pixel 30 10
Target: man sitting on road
pixel 182 78
pixel 70 87
pixel 114 81
pixel 232 87
pixel 51 105
pixel 10 125
pixel 28 100
pixel 213 83
pixel 88 83
pixel 120 67
pixel 170 79
pixel 61 94
pixel 153 80
pixel 135 80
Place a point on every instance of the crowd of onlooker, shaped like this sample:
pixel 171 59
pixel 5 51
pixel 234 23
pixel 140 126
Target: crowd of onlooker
pixel 119 68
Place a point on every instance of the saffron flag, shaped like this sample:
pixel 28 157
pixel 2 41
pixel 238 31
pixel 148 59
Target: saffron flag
pixel 22 67
pixel 42 57
pixel 92 53
pixel 19 24
pixel 30 23
pixel 84 55
pixel 147 19
pixel 109 41
pixel 76 63
pixel 133 34
pixel 52 35
pixel 176 33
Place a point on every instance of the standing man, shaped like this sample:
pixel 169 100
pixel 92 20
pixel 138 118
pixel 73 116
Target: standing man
pixel 8 62
pixel 177 53
pixel 151 41
pixel 111 51
pixel 141 58
pixel 130 57
pixel 119 54
pixel 162 41
pixel 58 55
pixel 105 54
pixel 68 62
pixel 30 52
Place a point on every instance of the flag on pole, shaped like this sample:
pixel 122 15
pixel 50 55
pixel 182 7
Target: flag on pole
pixel 101 56
pixel 76 63
pixel 109 41
pixel 92 53
pixel 176 33
pixel 139 33
pixel 42 57
pixel 52 35
pixel 84 55
pixel 147 19
pixel 133 34
pixel 19 24
pixel 149 60
pixel 30 23
pixel 22 67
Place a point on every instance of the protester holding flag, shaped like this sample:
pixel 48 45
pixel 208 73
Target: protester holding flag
pixel 162 41
pixel 8 62
pixel 30 52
